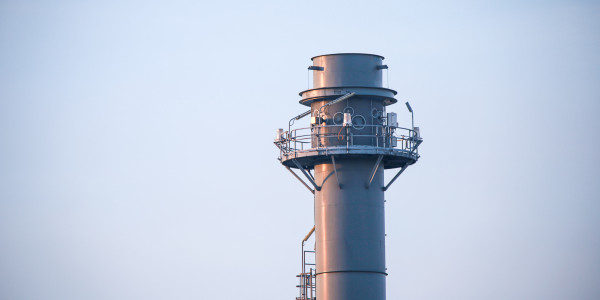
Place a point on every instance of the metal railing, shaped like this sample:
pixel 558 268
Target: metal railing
pixel 308 285
pixel 319 137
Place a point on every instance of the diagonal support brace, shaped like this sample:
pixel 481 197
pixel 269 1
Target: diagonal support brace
pixel 318 188
pixel 395 177
pixel 308 234
pixel 300 179
pixel 374 170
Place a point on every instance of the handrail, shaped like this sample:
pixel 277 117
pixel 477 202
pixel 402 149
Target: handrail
pixel 382 136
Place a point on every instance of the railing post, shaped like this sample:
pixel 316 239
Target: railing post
pixel 377 137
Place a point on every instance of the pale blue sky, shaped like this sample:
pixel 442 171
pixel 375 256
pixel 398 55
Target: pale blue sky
pixel 136 156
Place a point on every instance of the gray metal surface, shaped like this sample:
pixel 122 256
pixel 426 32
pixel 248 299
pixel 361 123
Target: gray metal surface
pixel 338 74
pixel 350 233
pixel 348 70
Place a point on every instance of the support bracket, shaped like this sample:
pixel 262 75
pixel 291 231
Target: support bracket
pixel 308 234
pixel 311 175
pixel 300 179
pixel 374 170
pixel 395 177
pixel 318 188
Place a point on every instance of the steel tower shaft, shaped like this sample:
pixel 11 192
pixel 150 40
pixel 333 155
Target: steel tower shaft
pixel 348 145
pixel 350 231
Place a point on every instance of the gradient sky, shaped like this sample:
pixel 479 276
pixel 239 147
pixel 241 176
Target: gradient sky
pixel 136 155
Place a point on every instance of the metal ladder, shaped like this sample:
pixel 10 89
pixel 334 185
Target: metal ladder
pixel 307 277
pixel 308 284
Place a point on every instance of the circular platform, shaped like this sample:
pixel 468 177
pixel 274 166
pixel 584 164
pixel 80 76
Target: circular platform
pixel 392 158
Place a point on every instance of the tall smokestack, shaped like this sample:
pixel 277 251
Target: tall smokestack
pixel 342 155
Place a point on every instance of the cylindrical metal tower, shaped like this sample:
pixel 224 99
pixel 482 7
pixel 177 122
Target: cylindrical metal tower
pixel 350 141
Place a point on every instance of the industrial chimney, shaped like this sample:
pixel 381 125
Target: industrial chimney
pixel 342 155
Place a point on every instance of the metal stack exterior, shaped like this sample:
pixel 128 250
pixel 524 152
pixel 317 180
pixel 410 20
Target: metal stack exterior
pixel 343 163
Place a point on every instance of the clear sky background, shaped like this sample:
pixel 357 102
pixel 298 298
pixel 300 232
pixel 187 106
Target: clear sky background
pixel 136 155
